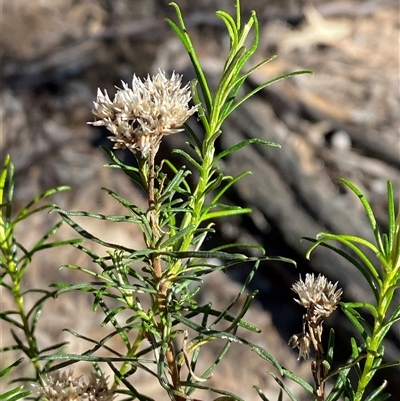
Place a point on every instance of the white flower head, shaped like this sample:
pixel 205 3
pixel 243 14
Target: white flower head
pixel 62 386
pixel 318 295
pixel 139 117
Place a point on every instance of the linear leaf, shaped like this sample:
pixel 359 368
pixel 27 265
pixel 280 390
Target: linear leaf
pixel 242 144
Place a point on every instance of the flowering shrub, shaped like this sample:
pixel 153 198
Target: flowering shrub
pixel 167 274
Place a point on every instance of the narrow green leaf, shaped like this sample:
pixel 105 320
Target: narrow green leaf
pixel 218 358
pixel 298 380
pixel 356 319
pixel 98 216
pixel 53 347
pixel 243 311
pixel 201 112
pixel 188 158
pixel 175 171
pixel 36 309
pixel 245 75
pixel 261 394
pixel 7 186
pixel 236 85
pixel 8 369
pixel 5 316
pixel 242 144
pixel 233 396
pixel 355 352
pixel 9 348
pixel 213 184
pixel 383 397
pixel 242 246
pixel 130 389
pixel 246 30
pixel 186 320
pixel 45 194
pixel 387 365
pixel 224 266
pixel 135 210
pixel 185 38
pixel 19 343
pixel 131 171
pixel 84 233
pixel 358 305
pixel 90 358
pixel 344 369
pixel 46 236
pixel 264 354
pixel 331 347
pixel 206 255
pixel 15 394
pixel 376 394
pixel 86 287
pixel 115 323
pixel 25 214
pixel 368 210
pixel 112 314
pixel 229 184
pixel 363 270
pixel 265 84
pixel 55 244
pixel 98 344
pixel 176 181
pixel 394 317
pixel 283 386
pixel 342 382
pixel 230 26
pixel 222 91
pixel 247 303
pixel 229 211
pixel 173 240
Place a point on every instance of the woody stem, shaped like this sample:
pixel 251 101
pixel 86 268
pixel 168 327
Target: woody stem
pixel 162 286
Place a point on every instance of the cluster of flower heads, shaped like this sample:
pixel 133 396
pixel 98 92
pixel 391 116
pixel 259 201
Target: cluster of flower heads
pixel 139 117
pixel 320 298
pixel 62 386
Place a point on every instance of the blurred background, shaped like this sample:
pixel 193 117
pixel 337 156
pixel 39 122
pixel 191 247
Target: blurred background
pixel 342 122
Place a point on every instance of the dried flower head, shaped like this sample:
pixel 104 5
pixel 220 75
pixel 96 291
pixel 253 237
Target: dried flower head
pixel 139 117
pixel 318 295
pixel 61 386
pixel 302 342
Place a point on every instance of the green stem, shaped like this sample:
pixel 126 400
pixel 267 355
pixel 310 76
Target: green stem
pixel 376 339
pixel 194 217
pixel 368 370
pixel 131 352
pixel 32 351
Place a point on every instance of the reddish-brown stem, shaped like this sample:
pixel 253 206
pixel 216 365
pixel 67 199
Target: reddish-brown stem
pixel 317 367
pixel 157 269
pixel 156 261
